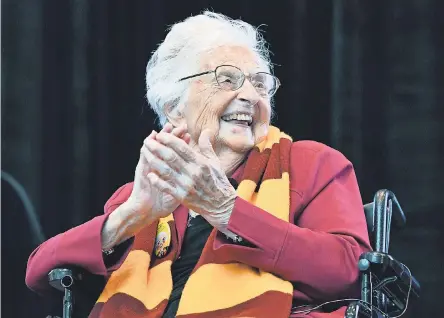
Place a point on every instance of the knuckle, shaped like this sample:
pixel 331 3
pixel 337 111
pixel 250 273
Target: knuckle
pixel 168 171
pixel 206 170
pixel 149 158
pixel 162 187
pixel 206 176
pixel 171 156
pixel 182 149
pixel 144 150
pixel 152 181
pixel 147 140
pixel 196 174
pixel 188 186
pixel 166 137
pixel 170 184
pixel 190 155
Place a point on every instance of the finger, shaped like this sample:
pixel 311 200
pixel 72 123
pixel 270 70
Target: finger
pixel 184 182
pixel 159 166
pixel 167 128
pixel 179 131
pixel 178 145
pixel 152 135
pixel 167 154
pixel 163 186
pixel 186 138
pixel 205 143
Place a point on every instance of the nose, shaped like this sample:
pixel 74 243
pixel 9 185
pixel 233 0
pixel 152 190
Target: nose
pixel 248 94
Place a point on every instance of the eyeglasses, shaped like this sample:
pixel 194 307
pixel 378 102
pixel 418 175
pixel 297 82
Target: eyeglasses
pixel 232 78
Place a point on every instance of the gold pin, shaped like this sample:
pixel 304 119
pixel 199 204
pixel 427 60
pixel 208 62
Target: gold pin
pixel 163 239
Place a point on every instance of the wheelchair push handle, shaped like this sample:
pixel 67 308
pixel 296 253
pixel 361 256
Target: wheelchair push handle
pixel 382 199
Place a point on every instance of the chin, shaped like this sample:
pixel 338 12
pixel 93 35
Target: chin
pixel 237 143
pixel 240 148
pixel 239 138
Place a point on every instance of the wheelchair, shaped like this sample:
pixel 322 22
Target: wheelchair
pixel 386 284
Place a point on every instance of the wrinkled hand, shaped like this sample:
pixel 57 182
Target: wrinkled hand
pixel 146 198
pixel 196 179
pixel 146 203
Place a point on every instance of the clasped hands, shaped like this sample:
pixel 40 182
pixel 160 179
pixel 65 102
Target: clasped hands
pixel 194 178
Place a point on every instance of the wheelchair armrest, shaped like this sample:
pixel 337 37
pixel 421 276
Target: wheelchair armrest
pixel 392 278
pixel 63 278
pixel 78 282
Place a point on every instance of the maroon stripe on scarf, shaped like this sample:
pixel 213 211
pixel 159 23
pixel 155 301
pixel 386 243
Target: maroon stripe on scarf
pixel 279 161
pixel 255 165
pixel 273 169
pixel 124 306
pixel 144 240
pixel 285 148
pixel 270 304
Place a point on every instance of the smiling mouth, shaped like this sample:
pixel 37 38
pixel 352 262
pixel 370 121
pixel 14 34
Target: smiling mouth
pixel 238 119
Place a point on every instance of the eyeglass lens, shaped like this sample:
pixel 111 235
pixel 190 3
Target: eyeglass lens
pixel 232 78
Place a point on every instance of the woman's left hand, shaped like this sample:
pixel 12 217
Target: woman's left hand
pixel 196 179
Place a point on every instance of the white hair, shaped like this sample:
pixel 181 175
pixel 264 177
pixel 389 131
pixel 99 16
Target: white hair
pixel 178 55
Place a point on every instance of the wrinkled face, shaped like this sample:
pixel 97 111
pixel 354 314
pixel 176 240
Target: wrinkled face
pixel 210 106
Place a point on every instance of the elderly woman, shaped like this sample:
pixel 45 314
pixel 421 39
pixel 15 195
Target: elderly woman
pixel 226 217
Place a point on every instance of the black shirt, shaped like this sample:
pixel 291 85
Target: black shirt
pixel 196 235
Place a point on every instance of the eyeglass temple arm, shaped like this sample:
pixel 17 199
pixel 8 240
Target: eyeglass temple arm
pixel 195 75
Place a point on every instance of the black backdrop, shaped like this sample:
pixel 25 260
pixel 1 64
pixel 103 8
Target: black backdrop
pixel 365 77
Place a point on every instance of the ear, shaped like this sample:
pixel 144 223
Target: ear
pixel 175 114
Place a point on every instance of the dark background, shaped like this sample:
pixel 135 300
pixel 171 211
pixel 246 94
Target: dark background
pixel 365 77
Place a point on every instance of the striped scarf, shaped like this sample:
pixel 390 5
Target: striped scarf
pixel 216 287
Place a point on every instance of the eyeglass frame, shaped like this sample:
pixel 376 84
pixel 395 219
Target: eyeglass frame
pixel 277 81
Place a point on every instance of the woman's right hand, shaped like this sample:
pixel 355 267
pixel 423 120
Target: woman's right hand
pixel 146 204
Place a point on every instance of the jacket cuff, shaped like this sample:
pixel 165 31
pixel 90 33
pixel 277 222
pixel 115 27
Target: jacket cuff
pixel 92 258
pixel 265 231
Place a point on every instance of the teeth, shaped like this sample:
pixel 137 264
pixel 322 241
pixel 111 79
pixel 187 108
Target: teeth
pixel 243 117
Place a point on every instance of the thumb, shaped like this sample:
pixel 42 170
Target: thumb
pixel 205 143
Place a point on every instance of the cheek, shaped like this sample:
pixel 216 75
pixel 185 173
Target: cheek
pixel 264 117
pixel 202 118
pixel 206 118
pixel 266 112
pixel 262 126
pixel 207 103
pixel 213 105
pixel 260 131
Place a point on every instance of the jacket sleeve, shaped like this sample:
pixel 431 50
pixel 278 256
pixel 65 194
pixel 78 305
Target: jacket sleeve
pixel 319 252
pixel 80 246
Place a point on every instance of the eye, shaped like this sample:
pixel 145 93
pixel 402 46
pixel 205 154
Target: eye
pixel 259 85
pixel 225 79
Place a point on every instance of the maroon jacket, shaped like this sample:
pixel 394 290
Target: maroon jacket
pixel 318 251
